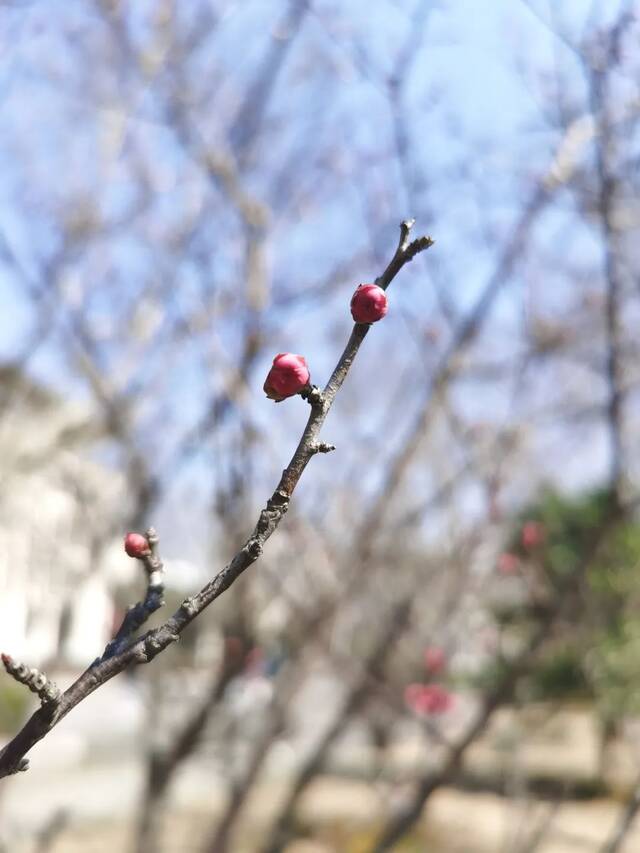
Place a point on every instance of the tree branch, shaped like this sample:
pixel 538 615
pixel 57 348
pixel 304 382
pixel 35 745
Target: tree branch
pixel 143 649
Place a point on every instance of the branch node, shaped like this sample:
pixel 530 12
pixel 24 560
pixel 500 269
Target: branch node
pixel 405 252
pixel 322 447
pixel 152 646
pixel 189 606
pixel 138 614
pixel 313 395
pixel 279 500
pixel 151 536
pixel 152 563
pixel 254 548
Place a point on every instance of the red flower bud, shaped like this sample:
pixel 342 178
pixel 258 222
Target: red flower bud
pixel 435 659
pixel 136 545
pixel 288 376
pixel 368 304
pixel 532 534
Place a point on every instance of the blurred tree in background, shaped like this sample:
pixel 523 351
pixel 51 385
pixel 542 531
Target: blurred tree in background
pixel 594 653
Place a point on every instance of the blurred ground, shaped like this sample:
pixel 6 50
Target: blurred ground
pixel 349 809
pixel 95 775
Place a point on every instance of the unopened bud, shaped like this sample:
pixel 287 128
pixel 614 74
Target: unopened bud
pixel 288 376
pixel 136 545
pixel 368 304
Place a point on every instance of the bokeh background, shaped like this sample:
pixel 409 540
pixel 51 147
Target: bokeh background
pixel 440 648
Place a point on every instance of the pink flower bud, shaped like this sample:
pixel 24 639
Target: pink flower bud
pixel 532 534
pixel 288 376
pixel 508 563
pixel 136 545
pixel 368 304
pixel 435 659
pixel 427 698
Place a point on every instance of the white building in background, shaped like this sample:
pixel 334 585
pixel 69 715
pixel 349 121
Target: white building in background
pixel 56 575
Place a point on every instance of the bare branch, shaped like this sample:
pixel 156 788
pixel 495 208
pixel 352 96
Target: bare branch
pixel 144 649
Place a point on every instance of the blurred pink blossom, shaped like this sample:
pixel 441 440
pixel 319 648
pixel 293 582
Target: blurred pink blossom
pixel 428 699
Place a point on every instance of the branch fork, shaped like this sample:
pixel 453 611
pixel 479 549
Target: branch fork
pixel 139 613
pixel 313 395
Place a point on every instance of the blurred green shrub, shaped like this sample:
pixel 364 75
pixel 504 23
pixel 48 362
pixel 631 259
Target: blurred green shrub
pixel 595 652
pixel 560 674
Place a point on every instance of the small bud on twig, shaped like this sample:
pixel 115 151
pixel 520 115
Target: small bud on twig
pixel 287 377
pixel 369 304
pixel 136 545
pixel 323 447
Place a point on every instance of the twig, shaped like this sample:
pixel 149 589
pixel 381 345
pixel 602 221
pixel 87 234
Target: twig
pixel 137 615
pixel 143 649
